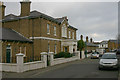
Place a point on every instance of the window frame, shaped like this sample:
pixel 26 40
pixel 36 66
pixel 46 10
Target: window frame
pixel 48 28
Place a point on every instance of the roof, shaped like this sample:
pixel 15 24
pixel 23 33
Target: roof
pixel 91 44
pixel 104 42
pixel 115 41
pixel 35 14
pixel 11 35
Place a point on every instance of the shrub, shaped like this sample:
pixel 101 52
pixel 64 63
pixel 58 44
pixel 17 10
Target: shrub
pixel 63 54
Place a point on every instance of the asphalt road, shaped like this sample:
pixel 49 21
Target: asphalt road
pixel 86 68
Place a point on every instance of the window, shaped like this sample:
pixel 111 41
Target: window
pixel 20 50
pixel 48 47
pixel 64 31
pixel 55 48
pixel 72 35
pixel 24 50
pixel 69 34
pixel 48 29
pixel 54 30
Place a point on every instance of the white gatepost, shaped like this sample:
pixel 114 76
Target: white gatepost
pixel 83 54
pixel 20 62
pixel 51 57
pixel 78 54
pixel 44 58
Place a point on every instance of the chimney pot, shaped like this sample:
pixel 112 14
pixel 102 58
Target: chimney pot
pixel 25 7
pixel 81 37
pixel 2 10
pixel 87 39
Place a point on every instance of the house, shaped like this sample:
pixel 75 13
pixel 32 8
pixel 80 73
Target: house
pixel 112 44
pixel 104 46
pixel 89 45
pixel 47 34
pixel 13 43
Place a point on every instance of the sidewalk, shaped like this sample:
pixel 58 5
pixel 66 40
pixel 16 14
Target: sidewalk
pixel 37 71
pixel 119 67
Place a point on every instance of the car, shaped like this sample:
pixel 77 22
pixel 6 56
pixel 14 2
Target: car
pixel 95 55
pixel 108 60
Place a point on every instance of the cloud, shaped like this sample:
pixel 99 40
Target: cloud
pixel 94 19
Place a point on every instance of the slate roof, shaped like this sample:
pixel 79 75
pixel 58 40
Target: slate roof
pixel 91 44
pixel 115 41
pixel 11 35
pixel 36 14
pixel 104 42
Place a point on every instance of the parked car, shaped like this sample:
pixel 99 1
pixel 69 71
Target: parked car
pixel 108 60
pixel 95 55
pixel 118 52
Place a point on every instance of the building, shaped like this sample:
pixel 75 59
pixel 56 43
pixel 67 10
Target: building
pixel 47 34
pixel 89 45
pixel 103 47
pixel 112 45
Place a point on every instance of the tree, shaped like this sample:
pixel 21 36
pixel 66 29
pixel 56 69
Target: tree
pixel 81 45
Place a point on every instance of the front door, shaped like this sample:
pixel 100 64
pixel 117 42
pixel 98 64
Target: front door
pixel 66 49
pixel 8 54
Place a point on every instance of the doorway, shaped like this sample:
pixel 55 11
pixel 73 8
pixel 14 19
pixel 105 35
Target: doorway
pixel 8 54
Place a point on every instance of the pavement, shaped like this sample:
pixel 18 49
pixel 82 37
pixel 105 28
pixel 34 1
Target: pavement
pixel 86 68
pixel 119 67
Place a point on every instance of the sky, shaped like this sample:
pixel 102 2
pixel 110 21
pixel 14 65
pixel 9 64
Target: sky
pixel 95 19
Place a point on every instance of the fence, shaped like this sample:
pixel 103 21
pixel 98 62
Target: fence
pixel 20 66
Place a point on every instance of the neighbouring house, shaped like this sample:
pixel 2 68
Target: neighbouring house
pixel 12 43
pixel 104 46
pixel 89 45
pixel 40 32
pixel 113 45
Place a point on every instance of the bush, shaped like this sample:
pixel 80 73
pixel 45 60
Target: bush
pixel 63 54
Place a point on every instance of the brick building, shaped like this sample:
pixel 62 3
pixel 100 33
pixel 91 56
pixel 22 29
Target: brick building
pixel 47 34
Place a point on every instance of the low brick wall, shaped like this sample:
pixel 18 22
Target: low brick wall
pixel 33 65
pixel 20 66
pixel 8 67
pixel 63 60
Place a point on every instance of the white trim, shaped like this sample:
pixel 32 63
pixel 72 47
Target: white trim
pixel 54 39
pixel 45 38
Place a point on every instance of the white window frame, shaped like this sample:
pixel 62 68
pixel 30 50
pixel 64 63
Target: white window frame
pixel 55 30
pixel 20 49
pixel 64 31
pixel 25 51
pixel 73 35
pixel 48 28
pixel 55 48
pixel 69 34
pixel 48 47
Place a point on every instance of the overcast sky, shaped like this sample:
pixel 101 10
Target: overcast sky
pixel 98 20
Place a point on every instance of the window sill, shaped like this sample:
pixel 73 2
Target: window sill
pixel 48 33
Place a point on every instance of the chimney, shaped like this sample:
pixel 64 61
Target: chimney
pixel 91 40
pixel 87 39
pixel 81 37
pixel 2 10
pixel 25 8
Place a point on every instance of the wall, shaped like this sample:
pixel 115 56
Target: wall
pixel 63 60
pixel 15 48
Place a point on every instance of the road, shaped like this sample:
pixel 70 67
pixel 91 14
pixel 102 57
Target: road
pixel 86 68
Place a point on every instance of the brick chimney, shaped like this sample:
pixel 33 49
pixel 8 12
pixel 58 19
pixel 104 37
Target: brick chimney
pixel 87 39
pixel 2 10
pixel 81 37
pixel 25 8
pixel 91 40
